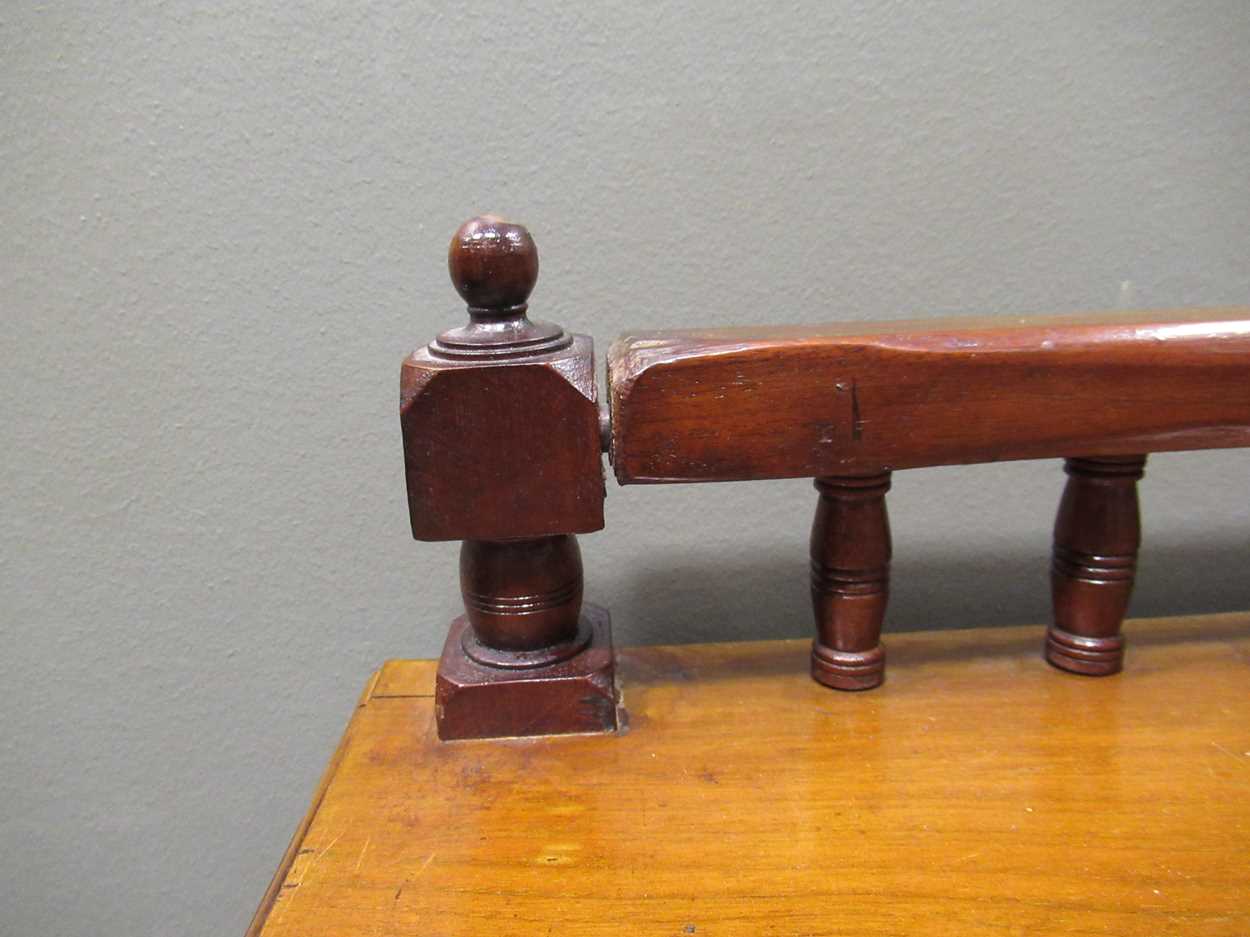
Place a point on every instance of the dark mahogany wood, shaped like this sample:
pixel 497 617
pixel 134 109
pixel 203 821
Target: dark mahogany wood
pixel 522 595
pixel 475 700
pixel 495 450
pixel 850 580
pixel 502 449
pixel 777 402
pixel 501 416
pixel 494 265
pixel 850 402
pixel 1097 532
pixel 503 433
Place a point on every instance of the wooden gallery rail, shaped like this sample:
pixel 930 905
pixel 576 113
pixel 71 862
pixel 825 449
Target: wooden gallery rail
pixel 503 436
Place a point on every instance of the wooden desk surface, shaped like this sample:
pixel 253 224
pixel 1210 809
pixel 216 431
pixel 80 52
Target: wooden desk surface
pixel 978 791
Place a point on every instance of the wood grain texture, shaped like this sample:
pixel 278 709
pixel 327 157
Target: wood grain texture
pixel 494 450
pixel 293 848
pixel 808 401
pixel 977 792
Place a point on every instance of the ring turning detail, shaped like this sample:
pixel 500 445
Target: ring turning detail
pixel 503 435
pixel 850 580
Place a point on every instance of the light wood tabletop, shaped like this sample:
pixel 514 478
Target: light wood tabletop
pixel 978 791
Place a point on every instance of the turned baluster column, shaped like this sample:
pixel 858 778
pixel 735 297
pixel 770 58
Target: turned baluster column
pixel 522 600
pixel 501 434
pixel 1097 532
pixel 850 552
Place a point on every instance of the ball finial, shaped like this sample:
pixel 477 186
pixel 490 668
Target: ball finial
pixel 493 263
pixel 494 266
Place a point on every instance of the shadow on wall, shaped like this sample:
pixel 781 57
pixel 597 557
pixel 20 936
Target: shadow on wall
pixel 680 601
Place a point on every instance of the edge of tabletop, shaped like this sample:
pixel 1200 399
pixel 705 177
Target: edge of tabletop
pixel 414 679
pixel 292 849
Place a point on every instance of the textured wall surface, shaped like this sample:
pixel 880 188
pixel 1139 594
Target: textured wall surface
pixel 224 227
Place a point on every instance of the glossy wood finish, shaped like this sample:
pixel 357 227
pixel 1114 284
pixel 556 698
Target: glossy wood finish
pixel 483 693
pixel 502 442
pixel 777 402
pixel 850 551
pixel 975 793
pixel 494 265
pixel 1097 532
pixel 522 595
pixel 502 434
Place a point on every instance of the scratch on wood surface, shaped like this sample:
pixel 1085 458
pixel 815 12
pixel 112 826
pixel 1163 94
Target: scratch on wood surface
pixel 361 858
pixel 304 874
pixel 327 849
pixel 857 422
pixel 406 882
pixel 1232 755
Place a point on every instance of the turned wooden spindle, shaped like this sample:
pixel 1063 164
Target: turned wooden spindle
pixel 502 451
pixel 523 600
pixel 1097 533
pixel 814 401
pixel 850 552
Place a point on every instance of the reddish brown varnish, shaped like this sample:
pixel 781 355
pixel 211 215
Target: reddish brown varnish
pixel 502 450
pixel 850 580
pixel 522 595
pixel 812 401
pixel 851 402
pixel 502 434
pixel 500 417
pixel 1097 533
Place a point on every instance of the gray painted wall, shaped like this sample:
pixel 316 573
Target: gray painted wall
pixel 224 227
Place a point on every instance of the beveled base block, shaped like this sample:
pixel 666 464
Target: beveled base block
pixel 848 670
pixel 577 694
pixel 1093 657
